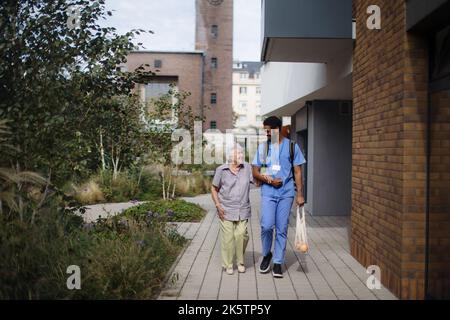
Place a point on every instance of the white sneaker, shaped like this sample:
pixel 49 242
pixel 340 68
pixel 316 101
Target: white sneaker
pixel 230 271
pixel 241 268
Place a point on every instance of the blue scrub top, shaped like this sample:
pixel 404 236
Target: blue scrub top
pixel 279 155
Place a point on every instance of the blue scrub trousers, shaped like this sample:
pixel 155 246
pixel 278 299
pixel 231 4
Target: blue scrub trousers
pixel 275 214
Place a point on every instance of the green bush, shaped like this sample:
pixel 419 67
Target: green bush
pixel 118 258
pixel 171 210
pixel 127 186
pixel 129 259
pixel 192 185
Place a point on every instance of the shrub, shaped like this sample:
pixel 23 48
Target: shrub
pixel 129 262
pixel 34 257
pixel 194 184
pixel 89 193
pixel 117 260
pixel 169 210
pixel 127 186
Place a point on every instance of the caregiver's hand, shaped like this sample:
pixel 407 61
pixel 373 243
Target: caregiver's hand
pixel 300 201
pixel 267 179
pixel 277 183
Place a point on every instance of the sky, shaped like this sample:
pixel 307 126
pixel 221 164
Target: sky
pixel 173 24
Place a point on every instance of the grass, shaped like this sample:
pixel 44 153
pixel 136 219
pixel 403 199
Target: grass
pixel 89 193
pixel 118 258
pixel 102 188
pixel 170 210
pixel 194 184
pixel 129 185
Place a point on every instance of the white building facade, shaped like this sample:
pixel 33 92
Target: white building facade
pixel 247 95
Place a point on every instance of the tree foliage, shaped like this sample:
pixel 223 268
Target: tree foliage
pixel 59 86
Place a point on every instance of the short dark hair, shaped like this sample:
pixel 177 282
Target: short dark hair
pixel 273 122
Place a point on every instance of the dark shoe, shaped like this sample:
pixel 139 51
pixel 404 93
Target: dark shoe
pixel 265 264
pixel 276 271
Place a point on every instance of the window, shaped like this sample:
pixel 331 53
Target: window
pixel 213 125
pixel 214 63
pixel 257 75
pixel 440 64
pixel 244 75
pixel 243 119
pixel 213 98
pixel 158 64
pixel 153 91
pixel 156 90
pixel 258 90
pixel 215 31
pixel 243 90
pixel 258 118
pixel 243 105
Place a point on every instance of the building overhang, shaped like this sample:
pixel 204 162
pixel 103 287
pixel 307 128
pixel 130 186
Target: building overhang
pixel 339 90
pixel 305 30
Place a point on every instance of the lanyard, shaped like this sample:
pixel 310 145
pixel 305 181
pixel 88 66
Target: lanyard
pixel 268 148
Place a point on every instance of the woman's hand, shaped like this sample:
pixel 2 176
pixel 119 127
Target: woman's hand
pixel 220 212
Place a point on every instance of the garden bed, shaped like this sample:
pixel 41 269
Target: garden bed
pixel 118 258
pixel 172 210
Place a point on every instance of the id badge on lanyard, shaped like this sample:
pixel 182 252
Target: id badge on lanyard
pixel 264 170
pixel 271 169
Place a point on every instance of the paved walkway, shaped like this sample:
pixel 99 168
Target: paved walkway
pixel 104 210
pixel 327 272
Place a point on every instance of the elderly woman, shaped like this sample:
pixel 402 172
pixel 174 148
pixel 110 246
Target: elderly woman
pixel 230 193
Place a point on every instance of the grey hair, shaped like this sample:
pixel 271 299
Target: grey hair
pixel 230 152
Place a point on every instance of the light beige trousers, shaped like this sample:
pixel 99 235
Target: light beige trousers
pixel 234 239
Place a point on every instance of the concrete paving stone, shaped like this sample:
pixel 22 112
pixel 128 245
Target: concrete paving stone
pixel 328 272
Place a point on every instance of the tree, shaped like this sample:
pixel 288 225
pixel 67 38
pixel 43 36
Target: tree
pixel 167 113
pixel 122 132
pixel 55 79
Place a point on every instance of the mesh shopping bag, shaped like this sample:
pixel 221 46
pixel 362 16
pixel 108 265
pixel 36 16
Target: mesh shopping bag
pixel 301 240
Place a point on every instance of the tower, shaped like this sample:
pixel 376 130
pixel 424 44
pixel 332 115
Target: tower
pixel 214 36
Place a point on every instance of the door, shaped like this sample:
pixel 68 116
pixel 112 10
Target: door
pixel 302 139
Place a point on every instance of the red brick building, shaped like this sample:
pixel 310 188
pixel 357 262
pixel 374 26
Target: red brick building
pixel 184 69
pixel 206 72
pixel 214 36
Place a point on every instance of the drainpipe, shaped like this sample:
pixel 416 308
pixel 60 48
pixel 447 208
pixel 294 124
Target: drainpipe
pixel 202 95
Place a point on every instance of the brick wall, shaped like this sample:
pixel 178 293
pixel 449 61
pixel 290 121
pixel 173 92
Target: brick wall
pixel 187 67
pixel 389 149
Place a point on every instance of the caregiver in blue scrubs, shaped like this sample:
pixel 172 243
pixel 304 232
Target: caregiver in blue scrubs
pixel 278 176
